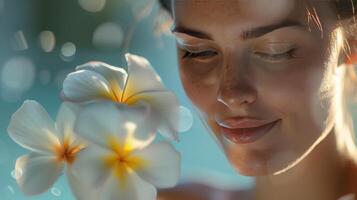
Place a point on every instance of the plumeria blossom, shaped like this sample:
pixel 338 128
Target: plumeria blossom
pixel 117 165
pixel 97 81
pixel 53 146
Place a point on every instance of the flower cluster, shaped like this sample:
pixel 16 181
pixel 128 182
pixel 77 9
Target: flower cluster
pixel 103 136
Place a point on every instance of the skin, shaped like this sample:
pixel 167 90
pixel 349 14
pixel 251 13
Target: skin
pixel 238 83
pixel 299 158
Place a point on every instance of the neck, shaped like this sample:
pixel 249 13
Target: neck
pixel 321 175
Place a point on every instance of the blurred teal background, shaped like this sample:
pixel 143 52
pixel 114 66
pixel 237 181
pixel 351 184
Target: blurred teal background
pixel 41 41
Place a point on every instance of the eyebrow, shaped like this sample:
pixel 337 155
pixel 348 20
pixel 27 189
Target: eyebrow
pixel 249 34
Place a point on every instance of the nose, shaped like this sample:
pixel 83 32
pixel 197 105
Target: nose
pixel 236 89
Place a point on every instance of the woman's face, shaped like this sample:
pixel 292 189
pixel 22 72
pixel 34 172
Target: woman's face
pixel 260 72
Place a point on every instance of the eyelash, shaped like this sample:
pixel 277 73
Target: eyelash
pixel 286 55
pixel 189 54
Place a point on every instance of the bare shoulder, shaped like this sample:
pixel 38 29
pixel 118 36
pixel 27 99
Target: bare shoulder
pixel 198 191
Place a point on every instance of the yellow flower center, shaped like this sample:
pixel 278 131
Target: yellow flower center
pixel 121 160
pixel 116 94
pixel 67 152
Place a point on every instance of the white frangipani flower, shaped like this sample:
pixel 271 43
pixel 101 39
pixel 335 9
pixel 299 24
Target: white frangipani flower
pixel 53 147
pixel 97 81
pixel 115 164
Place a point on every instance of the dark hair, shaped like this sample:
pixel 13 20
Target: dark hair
pixel 345 8
pixel 166 5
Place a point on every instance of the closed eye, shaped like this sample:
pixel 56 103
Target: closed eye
pixel 276 57
pixel 201 54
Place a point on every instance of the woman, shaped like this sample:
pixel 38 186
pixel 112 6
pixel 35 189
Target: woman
pixel 273 80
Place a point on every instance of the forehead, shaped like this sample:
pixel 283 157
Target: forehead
pixel 234 9
pixel 218 14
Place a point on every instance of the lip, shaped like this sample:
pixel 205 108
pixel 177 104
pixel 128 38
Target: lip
pixel 245 130
pixel 243 122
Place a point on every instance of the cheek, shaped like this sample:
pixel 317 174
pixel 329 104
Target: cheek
pixel 291 91
pixel 201 95
pixel 200 87
pixel 295 95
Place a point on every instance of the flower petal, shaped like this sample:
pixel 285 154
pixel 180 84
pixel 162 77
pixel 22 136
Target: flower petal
pixel 32 128
pixel 116 76
pixel 163 167
pixel 65 119
pixel 104 121
pixel 90 167
pixel 39 172
pixel 85 85
pixel 81 189
pixel 134 189
pixel 166 107
pixel 142 76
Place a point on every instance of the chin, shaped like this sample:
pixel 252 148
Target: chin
pixel 248 166
pixel 261 164
pixel 247 170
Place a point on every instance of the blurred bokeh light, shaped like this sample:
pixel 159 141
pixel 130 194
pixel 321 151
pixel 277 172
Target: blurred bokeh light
pixel 186 119
pixel 92 5
pixel 47 41
pixel 108 36
pixel 17 76
pixel 19 41
pixel 68 51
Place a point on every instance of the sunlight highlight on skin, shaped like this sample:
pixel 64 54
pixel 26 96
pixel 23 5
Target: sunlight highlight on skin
pixel 337 102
